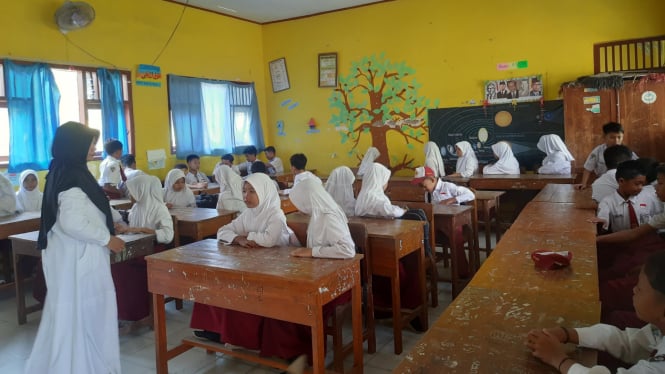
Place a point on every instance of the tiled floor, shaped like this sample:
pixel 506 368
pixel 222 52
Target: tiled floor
pixel 138 350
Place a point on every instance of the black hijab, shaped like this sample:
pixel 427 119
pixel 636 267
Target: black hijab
pixel 69 169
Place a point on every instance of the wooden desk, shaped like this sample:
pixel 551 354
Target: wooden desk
pixel 389 241
pixel 121 204
pixel 287 205
pixel 486 201
pixel 198 223
pixel 554 217
pixel 19 223
pixel 262 281
pixel 484 331
pixel 512 182
pixel 566 193
pixel 447 218
pixel 25 244
pixel 213 188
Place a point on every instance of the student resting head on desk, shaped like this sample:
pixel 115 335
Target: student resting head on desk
pixel 28 197
pixel 340 186
pixel 506 164
pixel 557 157
pixel 176 192
pixel 7 197
pixel 442 192
pixel 644 348
pixel 230 189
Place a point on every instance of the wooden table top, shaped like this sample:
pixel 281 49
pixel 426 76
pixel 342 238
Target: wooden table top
pixel 555 217
pixel 213 188
pixel 484 331
pixel 450 210
pixel 199 214
pixel 511 181
pixel 566 193
pixel 19 223
pixel 488 195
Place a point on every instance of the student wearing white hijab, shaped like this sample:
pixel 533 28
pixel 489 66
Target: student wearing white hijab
pixel 372 201
pixel 176 192
pixel 433 159
pixel 28 197
pixel 367 161
pixel 507 163
pixel 230 189
pixel 7 197
pixel 467 163
pixel 558 158
pixel 340 186
pixel 262 224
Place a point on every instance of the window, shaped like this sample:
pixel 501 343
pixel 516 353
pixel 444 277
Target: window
pixel 79 101
pixel 212 117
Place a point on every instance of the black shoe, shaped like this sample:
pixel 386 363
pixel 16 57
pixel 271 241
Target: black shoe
pixel 205 334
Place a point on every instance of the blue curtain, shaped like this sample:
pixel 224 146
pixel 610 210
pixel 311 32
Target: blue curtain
pixel 186 114
pixel 243 97
pixel 114 125
pixel 32 101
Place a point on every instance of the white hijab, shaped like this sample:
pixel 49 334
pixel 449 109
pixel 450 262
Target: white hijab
pixel 230 189
pixel 149 206
pixel 180 199
pixel 310 198
pixel 7 197
pixel 467 165
pixel 340 186
pixel 372 201
pixel 433 159
pixel 367 161
pixel 28 201
pixel 558 158
pixel 507 163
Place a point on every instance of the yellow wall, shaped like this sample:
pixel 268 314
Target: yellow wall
pixel 129 32
pixel 454 46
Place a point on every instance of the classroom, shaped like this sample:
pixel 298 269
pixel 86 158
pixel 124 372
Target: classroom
pixel 312 92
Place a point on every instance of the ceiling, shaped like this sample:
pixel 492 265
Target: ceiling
pixel 267 11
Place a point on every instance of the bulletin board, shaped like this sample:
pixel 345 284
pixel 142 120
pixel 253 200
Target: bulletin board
pixel 520 125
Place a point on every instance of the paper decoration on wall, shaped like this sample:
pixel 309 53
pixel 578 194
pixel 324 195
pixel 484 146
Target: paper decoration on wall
pixel 649 97
pixel 280 128
pixel 290 103
pixel 149 75
pixel 156 159
pixel 312 126
pixel 514 89
pixel 595 108
pixel 591 100
pixel 522 64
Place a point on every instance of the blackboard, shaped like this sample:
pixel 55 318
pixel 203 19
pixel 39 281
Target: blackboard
pixel 522 126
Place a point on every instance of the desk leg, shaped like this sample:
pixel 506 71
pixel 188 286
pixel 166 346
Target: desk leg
pixel 498 221
pixel 454 272
pixel 488 227
pixel 318 351
pixel 423 289
pixel 397 309
pixel 356 309
pixel 20 296
pixel 159 323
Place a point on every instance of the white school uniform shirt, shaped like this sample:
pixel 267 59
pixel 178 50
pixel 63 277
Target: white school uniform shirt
pixel 433 159
pixel 7 197
pixel 266 223
pixel 558 158
pixel 467 165
pixel 180 199
pixel 604 185
pixel 194 178
pixel 246 166
pixel 340 186
pixel 328 232
pixel 446 190
pixel 372 200
pixel 614 210
pixel 277 165
pixel 109 171
pixel 233 167
pixel 635 346
pixel 507 163
pixel 82 310
pixel 131 173
pixel 367 161
pixel 149 210
pixel 301 177
pixel 28 201
pixel 596 161
pixel 230 189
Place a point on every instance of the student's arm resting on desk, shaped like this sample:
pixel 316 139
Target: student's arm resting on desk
pixel 462 194
pixel 270 237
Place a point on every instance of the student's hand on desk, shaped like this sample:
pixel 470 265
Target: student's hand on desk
pixel 244 242
pixel 116 244
pixel 120 228
pixel 597 220
pixel 546 346
pixel 302 252
pixel 450 201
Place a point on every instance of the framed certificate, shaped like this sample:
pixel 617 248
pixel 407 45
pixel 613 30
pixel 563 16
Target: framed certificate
pixel 328 69
pixel 278 75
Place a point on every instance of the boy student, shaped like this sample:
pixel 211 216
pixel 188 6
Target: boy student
pixel 613 135
pixel 442 192
pixel 195 178
pixel 227 160
pixel 298 163
pixel 644 348
pixel 276 165
pixel 626 208
pixel 250 154
pixel 182 167
pixel 111 173
pixel 129 166
pixel 606 184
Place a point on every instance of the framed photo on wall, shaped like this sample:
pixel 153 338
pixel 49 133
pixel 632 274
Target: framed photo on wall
pixel 278 75
pixel 328 69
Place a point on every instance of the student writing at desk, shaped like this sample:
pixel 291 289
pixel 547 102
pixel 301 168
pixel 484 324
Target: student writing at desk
pixel 78 332
pixel 506 163
pixel 467 163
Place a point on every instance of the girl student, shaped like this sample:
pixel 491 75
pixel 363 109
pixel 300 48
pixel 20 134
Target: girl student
pixel 340 186
pixel 467 163
pixel 506 164
pixel 176 192
pixel 148 215
pixel 230 189
pixel 558 158
pixel 262 224
pixel 28 197
pixel 433 159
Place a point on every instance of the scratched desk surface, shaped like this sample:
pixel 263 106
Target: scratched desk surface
pixel 484 331
pixel 555 217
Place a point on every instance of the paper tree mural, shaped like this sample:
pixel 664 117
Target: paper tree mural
pixel 379 97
